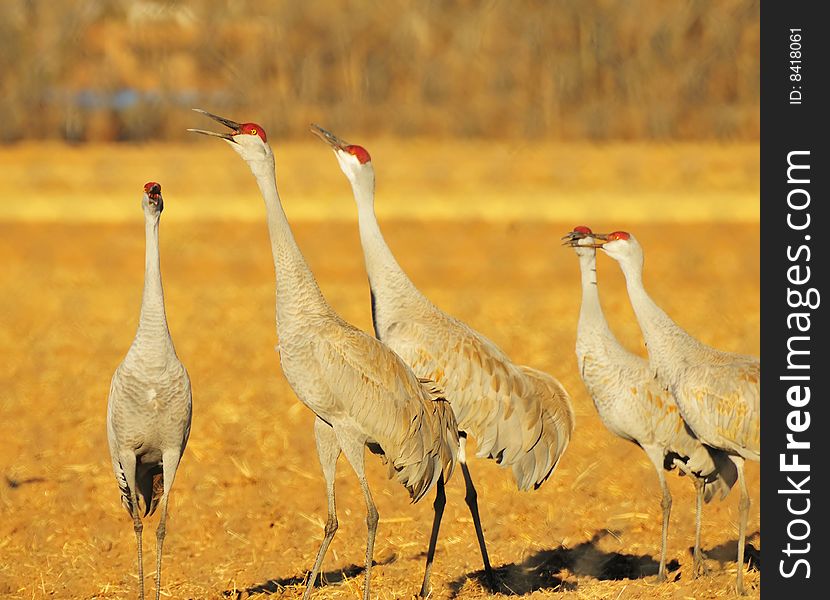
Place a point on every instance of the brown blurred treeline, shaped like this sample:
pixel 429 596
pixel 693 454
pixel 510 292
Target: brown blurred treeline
pixel 103 70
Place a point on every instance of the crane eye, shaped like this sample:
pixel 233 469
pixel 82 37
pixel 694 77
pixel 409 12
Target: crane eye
pixel 253 131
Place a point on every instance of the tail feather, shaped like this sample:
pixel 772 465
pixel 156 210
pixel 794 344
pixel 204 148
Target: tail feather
pixel 714 466
pixel 557 419
pixel 149 481
pixel 725 477
pixel 430 450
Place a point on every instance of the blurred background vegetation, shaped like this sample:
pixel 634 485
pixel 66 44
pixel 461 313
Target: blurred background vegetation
pixel 595 70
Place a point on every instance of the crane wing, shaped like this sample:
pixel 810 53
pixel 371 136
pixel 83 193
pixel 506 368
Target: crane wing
pixel 728 393
pixel 510 410
pixel 381 397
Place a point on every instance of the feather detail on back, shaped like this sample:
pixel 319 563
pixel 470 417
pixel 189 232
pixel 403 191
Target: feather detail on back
pixel 722 401
pixel 520 417
pixel 407 418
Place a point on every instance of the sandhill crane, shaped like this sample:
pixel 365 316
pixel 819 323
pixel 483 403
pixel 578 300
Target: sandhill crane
pixel 634 406
pixel 718 393
pixel 520 417
pixel 149 406
pixel 362 393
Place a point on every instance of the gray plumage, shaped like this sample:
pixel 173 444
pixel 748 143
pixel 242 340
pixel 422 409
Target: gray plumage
pixel 521 417
pixel 633 405
pixel 363 394
pixel 718 393
pixel 149 406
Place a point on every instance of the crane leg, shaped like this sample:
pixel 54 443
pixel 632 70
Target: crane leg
pixel 328 450
pixel 471 498
pixel 170 462
pixel 656 456
pixel 744 514
pixel 128 465
pixel 355 454
pixel 699 564
pixel 438 507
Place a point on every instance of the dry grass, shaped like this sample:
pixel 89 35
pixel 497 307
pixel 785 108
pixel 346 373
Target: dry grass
pixel 248 503
pixel 420 179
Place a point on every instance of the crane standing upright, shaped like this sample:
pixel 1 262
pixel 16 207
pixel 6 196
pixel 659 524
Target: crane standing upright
pixel 635 407
pixel 362 393
pixel 520 417
pixel 718 393
pixel 149 407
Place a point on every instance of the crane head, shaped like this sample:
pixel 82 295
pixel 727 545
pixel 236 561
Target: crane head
pixel 354 160
pixel 622 247
pixel 248 139
pixel 581 239
pixel 152 200
pixel 580 233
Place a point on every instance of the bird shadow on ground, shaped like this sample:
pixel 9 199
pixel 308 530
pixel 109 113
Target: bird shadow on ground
pixel 277 586
pixel 728 552
pixel 541 570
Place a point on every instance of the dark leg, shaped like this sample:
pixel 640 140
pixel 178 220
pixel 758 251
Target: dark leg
pixel 438 507
pixel 472 502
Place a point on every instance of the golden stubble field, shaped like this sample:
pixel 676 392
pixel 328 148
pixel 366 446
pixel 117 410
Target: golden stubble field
pixel 248 504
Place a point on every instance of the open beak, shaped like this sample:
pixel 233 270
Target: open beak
pixel 572 239
pixel 153 192
pixel 328 137
pixel 233 125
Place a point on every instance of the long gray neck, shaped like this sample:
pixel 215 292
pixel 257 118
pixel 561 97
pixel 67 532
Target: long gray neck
pixel 298 294
pixel 665 340
pixel 592 325
pixel 152 324
pixel 392 290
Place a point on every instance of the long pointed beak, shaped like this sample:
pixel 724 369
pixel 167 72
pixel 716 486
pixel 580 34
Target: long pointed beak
pixel 328 137
pixel 226 122
pixel 573 237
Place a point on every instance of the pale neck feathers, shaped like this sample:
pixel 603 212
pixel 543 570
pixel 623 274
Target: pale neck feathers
pixel 593 331
pixel 669 346
pixel 390 285
pixel 152 323
pixel 298 294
